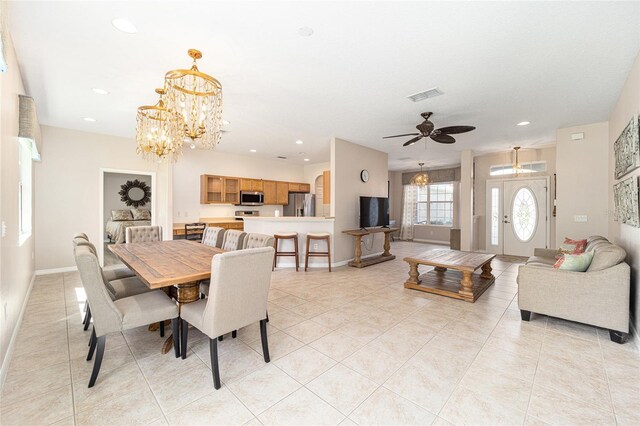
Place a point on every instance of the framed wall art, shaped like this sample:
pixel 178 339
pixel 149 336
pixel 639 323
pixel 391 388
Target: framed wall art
pixel 626 198
pixel 627 149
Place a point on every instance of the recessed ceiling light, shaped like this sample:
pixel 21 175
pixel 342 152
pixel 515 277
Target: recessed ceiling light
pixel 305 31
pixel 225 122
pixel 100 91
pixel 299 142
pixel 523 123
pixel 306 159
pixel 252 150
pixel 124 25
pixel 89 119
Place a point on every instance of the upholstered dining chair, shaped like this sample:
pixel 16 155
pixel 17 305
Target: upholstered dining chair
pixel 143 234
pixel 111 315
pixel 233 240
pixel 121 281
pixel 255 240
pixel 213 236
pixel 239 288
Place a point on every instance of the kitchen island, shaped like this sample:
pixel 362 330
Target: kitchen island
pixel 302 225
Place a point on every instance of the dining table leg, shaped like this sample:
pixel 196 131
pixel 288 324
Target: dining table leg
pixel 182 293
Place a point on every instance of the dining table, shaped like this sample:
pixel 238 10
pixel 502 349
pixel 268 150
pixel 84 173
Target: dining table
pixel 176 267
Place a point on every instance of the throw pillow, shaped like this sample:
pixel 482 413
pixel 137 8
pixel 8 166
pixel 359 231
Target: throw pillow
pixel 141 214
pixel 575 262
pixel 119 215
pixel 571 246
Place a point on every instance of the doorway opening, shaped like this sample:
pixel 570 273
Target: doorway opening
pixel 127 198
pixel 517 216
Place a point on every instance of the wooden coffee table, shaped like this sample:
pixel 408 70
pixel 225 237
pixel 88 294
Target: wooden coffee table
pixel 453 274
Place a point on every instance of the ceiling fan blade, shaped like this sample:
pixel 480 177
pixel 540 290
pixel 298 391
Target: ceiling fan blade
pixel 452 130
pixel 443 138
pixel 412 141
pixel 397 136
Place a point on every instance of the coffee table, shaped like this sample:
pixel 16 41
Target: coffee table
pixel 453 273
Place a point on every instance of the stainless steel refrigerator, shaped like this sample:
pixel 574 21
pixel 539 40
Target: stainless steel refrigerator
pixel 300 205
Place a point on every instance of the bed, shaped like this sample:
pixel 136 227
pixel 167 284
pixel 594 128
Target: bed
pixel 120 220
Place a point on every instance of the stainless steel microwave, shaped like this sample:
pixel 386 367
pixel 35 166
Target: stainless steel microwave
pixel 250 198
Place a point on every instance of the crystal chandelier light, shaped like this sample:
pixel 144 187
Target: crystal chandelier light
pixel 156 132
pixel 421 178
pixel 196 99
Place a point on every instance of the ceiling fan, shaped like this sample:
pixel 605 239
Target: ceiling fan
pixel 426 129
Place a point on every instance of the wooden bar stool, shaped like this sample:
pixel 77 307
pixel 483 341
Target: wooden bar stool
pixel 285 236
pixel 325 236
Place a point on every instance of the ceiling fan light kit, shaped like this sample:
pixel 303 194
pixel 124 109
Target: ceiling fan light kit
pixel 190 107
pixel 426 129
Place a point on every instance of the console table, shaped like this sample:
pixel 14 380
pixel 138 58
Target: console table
pixel 358 261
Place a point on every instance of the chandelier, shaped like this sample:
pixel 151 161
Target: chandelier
pixel 196 99
pixel 517 167
pixel 156 131
pixel 421 178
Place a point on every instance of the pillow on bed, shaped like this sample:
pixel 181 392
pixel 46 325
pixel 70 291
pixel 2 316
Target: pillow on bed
pixel 120 215
pixel 141 214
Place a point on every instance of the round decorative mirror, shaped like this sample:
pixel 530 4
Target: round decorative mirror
pixel 135 193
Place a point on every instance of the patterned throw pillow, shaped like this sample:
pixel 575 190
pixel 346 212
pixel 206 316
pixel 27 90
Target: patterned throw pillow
pixel 575 262
pixel 571 246
pixel 119 215
pixel 141 214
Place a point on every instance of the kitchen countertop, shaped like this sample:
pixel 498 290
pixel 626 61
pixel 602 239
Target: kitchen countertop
pixel 207 220
pixel 289 219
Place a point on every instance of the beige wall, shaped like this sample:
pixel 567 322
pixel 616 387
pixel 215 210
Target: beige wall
pixel 482 165
pixel 67 183
pixel 186 181
pixel 347 161
pixel 582 181
pixel 395 197
pixel 16 261
pixel 624 235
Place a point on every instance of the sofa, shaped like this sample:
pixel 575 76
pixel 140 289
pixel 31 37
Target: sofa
pixel 599 296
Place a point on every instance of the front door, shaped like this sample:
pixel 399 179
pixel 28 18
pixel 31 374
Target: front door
pixel 517 216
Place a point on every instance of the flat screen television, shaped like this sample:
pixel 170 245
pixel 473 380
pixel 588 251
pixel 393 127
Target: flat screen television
pixel 374 211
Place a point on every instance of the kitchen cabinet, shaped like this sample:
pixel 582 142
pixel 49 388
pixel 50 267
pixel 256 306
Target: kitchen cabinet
pixel 326 187
pixel 211 189
pixel 299 187
pixel 231 190
pixel 282 193
pixel 270 189
pixel 253 185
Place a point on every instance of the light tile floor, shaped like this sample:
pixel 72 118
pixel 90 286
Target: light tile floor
pixel 348 347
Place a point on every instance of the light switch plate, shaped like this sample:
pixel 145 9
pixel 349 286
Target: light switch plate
pixel 580 218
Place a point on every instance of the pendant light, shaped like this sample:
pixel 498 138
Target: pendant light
pixel 421 178
pixel 156 132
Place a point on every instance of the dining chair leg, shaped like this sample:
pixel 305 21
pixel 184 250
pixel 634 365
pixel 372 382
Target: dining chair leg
pixel 265 343
pixel 175 328
pixel 267 316
pixel 161 328
pixel 213 349
pixel 98 362
pixel 183 338
pixel 220 338
pixel 92 344
pixel 87 320
pixel 234 334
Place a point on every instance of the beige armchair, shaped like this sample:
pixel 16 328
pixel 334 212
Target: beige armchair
pixel 255 240
pixel 213 236
pixel 111 315
pixel 233 240
pixel 238 297
pixel 143 234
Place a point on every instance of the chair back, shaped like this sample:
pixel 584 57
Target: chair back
pixel 106 316
pixel 194 231
pixel 239 289
pixel 233 240
pixel 255 240
pixel 81 235
pixel 213 236
pixel 143 234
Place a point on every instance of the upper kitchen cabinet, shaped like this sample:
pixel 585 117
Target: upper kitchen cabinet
pixel 299 187
pixel 253 185
pixel 231 190
pixel 282 193
pixel 211 189
pixel 326 187
pixel 270 189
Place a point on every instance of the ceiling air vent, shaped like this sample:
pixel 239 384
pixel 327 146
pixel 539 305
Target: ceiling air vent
pixel 282 157
pixel 426 94
pixel 404 158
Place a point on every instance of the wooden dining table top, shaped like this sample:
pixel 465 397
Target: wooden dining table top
pixel 167 263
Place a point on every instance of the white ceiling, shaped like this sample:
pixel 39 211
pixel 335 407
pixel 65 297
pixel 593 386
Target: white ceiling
pixel 555 64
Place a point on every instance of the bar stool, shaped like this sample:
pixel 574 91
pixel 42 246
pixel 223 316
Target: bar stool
pixel 285 236
pixel 318 236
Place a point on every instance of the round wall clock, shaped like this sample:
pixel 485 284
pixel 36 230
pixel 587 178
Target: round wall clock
pixel 364 175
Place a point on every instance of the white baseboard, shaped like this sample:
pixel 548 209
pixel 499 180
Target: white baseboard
pixel 56 270
pixel 7 359
pixel 419 240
